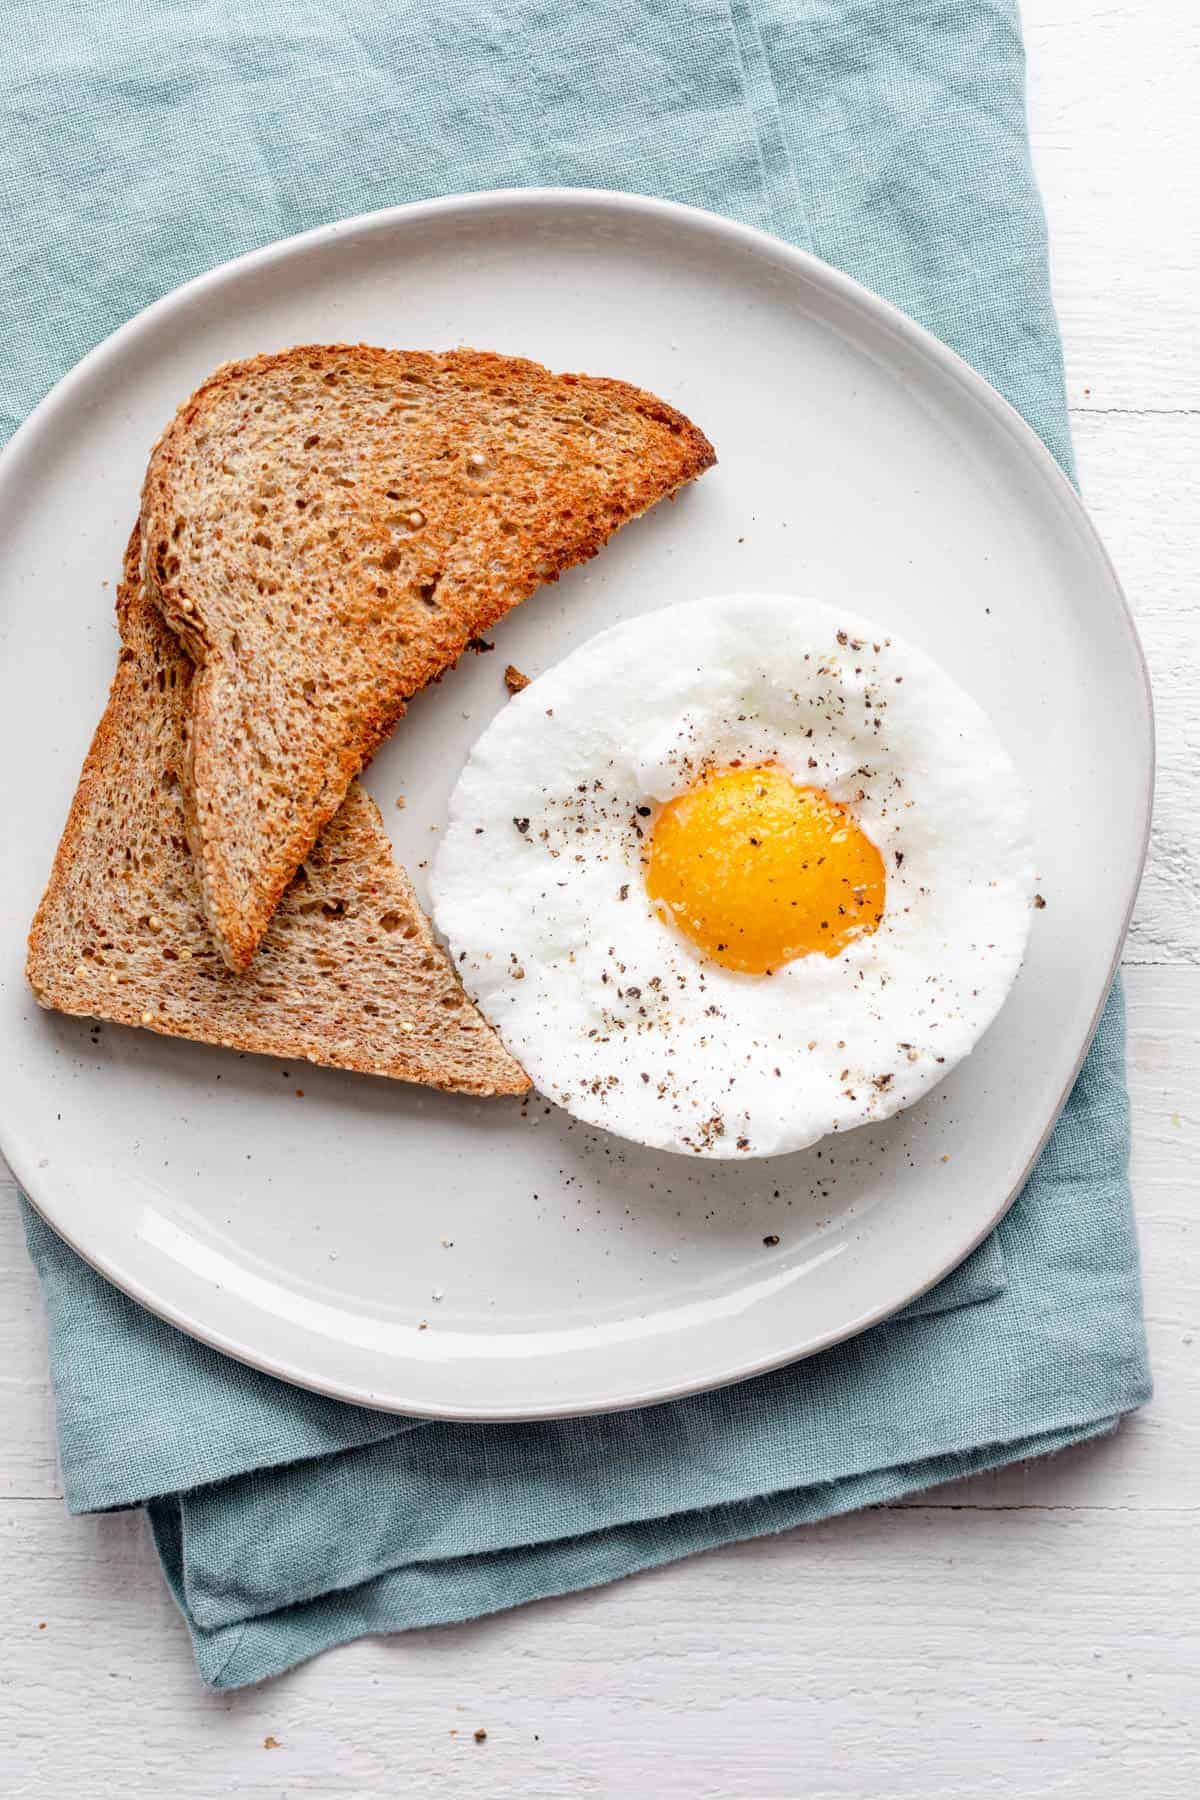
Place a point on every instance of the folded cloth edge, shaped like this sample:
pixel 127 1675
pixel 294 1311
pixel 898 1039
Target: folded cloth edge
pixel 413 1597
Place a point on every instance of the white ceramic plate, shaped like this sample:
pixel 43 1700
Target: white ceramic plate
pixel 561 1271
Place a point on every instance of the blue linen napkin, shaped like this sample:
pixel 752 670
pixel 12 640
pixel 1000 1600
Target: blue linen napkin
pixel 146 144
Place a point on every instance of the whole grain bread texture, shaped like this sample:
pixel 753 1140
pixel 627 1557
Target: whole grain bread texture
pixel 328 528
pixel 349 973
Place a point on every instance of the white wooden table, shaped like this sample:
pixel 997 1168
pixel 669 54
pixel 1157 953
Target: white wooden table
pixel 1032 1633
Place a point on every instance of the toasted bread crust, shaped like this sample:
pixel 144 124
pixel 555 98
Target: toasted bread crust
pixel 327 529
pixel 349 974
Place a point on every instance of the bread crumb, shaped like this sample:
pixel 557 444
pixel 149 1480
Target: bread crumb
pixel 271 1743
pixel 514 681
pixel 480 1735
pixel 400 802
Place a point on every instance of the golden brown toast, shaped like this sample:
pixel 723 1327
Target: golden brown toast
pixel 328 528
pixel 349 973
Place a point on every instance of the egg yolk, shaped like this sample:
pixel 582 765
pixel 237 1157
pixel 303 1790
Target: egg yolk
pixel 756 870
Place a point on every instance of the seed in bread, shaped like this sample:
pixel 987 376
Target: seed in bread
pixel 328 529
pixel 349 973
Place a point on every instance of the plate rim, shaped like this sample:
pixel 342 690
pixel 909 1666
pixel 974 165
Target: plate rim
pixel 804 264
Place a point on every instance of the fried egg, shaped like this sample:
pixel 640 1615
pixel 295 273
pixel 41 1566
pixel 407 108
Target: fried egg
pixel 738 874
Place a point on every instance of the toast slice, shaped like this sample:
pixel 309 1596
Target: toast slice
pixel 328 528
pixel 349 973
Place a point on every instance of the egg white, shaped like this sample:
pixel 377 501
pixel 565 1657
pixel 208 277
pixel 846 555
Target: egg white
pixel 538 885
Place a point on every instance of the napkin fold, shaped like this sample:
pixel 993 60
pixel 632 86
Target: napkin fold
pixel 148 144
